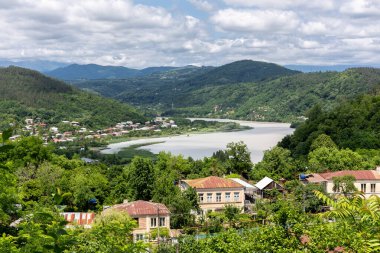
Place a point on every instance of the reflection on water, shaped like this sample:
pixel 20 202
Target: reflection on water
pixel 264 136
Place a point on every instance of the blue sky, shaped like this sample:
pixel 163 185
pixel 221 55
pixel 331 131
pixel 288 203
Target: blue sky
pixel 143 33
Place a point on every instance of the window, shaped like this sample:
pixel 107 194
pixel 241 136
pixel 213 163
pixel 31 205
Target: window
pixel 200 196
pixel 209 197
pixel 218 197
pixel 363 187
pixel 373 187
pixel 153 222
pixel 236 196
pixel 162 221
pixel 228 196
pixel 139 237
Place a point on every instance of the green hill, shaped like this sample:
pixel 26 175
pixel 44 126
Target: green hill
pixel 284 98
pixel 242 90
pixel 353 124
pixel 94 71
pixel 27 93
pixel 240 72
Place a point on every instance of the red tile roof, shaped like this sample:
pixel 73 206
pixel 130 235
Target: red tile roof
pixel 213 182
pixel 141 208
pixel 358 174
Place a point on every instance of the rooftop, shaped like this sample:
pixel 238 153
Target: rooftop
pixel 141 207
pixel 264 183
pixel 358 174
pixel 212 182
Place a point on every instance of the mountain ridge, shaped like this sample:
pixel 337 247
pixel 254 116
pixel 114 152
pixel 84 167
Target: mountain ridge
pixel 28 93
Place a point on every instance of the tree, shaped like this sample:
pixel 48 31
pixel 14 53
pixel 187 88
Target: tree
pixel 344 185
pixel 140 178
pixel 323 140
pixel 360 217
pixel 111 233
pixel 239 159
pixel 276 163
pixel 232 213
pixel 323 159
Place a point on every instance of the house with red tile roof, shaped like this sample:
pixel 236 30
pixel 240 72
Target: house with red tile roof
pixel 148 215
pixel 367 181
pixel 216 192
pixel 78 219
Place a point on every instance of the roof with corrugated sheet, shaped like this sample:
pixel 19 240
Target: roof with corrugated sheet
pixel 141 207
pixel 358 174
pixel 212 182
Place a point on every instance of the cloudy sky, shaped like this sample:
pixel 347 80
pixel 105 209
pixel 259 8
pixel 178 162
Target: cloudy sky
pixel 140 33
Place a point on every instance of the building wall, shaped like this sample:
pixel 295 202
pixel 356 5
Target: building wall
pixel 145 225
pixel 215 205
pixel 358 183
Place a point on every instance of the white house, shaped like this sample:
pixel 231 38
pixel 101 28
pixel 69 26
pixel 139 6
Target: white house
pixel 366 181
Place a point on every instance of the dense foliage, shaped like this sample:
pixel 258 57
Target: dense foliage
pixel 353 124
pixel 93 71
pixel 240 90
pixel 26 93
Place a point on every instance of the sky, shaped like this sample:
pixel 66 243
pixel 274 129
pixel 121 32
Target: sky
pixel 142 33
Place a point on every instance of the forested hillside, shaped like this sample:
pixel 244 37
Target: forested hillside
pixel 282 99
pixel 243 90
pixel 93 71
pixel 354 124
pixel 27 93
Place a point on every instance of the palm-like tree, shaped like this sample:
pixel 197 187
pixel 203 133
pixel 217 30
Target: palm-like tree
pixel 361 213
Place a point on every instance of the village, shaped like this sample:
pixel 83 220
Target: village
pixel 218 196
pixel 70 131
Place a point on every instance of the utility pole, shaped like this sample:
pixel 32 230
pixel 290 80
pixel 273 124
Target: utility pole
pixel 158 225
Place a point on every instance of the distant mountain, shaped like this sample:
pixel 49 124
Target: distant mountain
pixel 94 71
pixel 322 68
pixel 240 72
pixel 281 99
pixel 39 65
pixel 28 93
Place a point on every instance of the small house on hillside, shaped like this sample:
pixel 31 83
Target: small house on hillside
pixel 148 215
pixel 78 219
pixel 216 192
pixel 267 184
pixel 366 181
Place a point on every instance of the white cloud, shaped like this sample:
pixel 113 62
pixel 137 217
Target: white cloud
pixel 314 28
pixel 361 8
pixel 283 4
pixel 270 21
pixel 123 32
pixel 202 5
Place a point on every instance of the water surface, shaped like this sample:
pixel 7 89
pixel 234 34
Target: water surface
pixel 263 136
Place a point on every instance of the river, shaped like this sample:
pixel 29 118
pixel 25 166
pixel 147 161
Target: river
pixel 263 136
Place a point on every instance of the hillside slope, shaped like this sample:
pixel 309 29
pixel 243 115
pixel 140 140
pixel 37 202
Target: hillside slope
pixel 94 71
pixel 282 99
pixel 27 93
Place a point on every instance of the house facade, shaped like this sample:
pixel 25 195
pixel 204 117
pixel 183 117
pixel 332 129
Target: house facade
pixel 366 181
pixel 148 216
pixel 215 192
pixel 267 184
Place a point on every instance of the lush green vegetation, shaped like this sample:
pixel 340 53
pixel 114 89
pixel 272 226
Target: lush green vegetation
pixel 353 124
pixel 244 90
pixel 26 93
pixel 93 71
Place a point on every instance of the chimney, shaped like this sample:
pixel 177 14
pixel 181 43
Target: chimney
pixel 125 201
pixel 378 169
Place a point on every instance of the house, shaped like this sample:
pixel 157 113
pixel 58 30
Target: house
pixel 367 181
pixel 250 194
pixel 148 215
pixel 216 192
pixel 267 184
pixel 78 219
